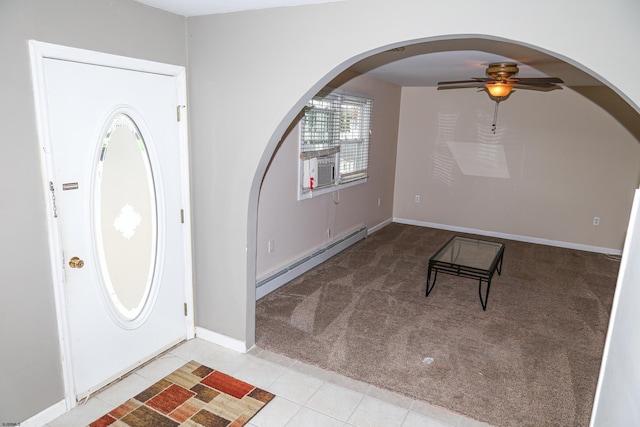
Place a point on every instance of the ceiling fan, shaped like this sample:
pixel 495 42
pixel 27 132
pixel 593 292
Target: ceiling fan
pixel 501 81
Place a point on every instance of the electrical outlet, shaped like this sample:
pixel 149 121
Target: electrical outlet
pixel 417 198
pixel 328 233
pixel 378 201
pixel 596 220
pixel 271 246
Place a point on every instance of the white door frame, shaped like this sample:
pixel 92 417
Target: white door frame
pixel 39 51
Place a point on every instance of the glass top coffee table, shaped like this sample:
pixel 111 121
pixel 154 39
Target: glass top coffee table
pixel 467 257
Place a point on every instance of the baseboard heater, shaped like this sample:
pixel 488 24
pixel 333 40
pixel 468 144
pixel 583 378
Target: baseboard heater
pixel 274 281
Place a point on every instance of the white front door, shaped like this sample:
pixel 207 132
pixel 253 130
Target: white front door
pixel 116 188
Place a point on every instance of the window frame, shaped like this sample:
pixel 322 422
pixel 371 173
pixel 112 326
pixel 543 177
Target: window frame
pixel 330 133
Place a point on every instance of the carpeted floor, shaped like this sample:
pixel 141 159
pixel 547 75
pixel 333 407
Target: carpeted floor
pixel 531 359
pixel 195 396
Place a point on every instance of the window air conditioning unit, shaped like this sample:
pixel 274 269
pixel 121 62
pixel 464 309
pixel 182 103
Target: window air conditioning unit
pixel 319 168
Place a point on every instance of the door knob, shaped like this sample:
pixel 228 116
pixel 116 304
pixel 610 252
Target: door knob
pixel 76 262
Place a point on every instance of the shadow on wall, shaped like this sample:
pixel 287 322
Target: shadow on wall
pixel 485 158
pixel 613 104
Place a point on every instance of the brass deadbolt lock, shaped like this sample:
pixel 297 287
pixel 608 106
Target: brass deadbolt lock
pixel 76 262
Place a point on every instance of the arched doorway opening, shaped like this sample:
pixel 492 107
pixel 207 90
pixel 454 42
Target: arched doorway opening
pixel 447 53
pixel 598 93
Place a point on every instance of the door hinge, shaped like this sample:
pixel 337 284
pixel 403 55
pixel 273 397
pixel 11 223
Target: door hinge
pixel 185 308
pixel 182 216
pixel 178 114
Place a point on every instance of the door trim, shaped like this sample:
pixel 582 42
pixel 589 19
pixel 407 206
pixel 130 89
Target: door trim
pixel 39 51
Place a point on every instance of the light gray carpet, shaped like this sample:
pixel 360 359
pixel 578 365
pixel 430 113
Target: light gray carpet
pixel 531 359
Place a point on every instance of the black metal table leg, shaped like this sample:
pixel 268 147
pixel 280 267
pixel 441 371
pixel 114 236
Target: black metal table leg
pixel 486 296
pixel 435 276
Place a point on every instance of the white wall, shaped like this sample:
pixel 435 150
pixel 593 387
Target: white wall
pixel 283 56
pixel 296 227
pixel 556 161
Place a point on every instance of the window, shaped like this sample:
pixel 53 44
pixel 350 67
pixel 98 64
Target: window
pixel 334 140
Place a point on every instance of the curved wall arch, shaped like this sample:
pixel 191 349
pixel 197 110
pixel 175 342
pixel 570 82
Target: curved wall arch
pixel 442 42
pixel 462 41
pixel 291 74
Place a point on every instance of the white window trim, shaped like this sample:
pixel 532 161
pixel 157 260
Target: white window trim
pixel 308 194
pixel 326 190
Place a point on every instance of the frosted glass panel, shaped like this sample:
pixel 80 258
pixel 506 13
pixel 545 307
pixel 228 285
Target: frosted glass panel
pixel 125 213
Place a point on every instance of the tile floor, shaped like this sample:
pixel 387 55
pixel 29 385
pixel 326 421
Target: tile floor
pixel 305 395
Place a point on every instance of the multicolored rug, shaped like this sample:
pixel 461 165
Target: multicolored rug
pixel 192 396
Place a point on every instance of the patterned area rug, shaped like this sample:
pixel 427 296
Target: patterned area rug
pixel 192 396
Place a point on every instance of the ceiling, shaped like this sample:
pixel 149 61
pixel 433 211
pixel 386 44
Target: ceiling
pixel 209 7
pixel 429 69
pixel 426 64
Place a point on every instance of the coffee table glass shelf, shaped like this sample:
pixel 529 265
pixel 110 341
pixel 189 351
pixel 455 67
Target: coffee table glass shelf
pixel 467 257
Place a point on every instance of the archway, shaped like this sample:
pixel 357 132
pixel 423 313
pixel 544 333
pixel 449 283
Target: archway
pixel 625 121
pixel 588 85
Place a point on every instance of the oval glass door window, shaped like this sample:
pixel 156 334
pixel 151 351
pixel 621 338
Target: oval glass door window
pixel 125 217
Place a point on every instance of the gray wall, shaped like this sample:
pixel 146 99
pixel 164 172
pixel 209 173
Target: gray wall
pixel 241 63
pixel 30 366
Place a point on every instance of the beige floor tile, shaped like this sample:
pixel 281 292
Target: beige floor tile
pixel 226 361
pixel 161 367
pixel 468 422
pixel 436 413
pixel 195 349
pixel 309 418
pixel 417 420
pixel 376 413
pixel 84 414
pixel 275 358
pixel 349 383
pixel 390 397
pixel 276 413
pixel 335 401
pixel 295 386
pixel 124 389
pixel 258 372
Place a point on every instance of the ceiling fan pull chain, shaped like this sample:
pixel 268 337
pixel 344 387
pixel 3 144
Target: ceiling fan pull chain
pixel 495 118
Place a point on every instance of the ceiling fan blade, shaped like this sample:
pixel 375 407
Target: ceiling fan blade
pixel 462 86
pixel 543 87
pixel 533 80
pixel 473 80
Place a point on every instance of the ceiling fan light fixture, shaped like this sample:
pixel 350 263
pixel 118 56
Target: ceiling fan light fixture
pixel 498 89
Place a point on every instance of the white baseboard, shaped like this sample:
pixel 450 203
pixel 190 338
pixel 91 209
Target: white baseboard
pixel 287 274
pixel 221 340
pixel 379 226
pixel 46 416
pixel 516 237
